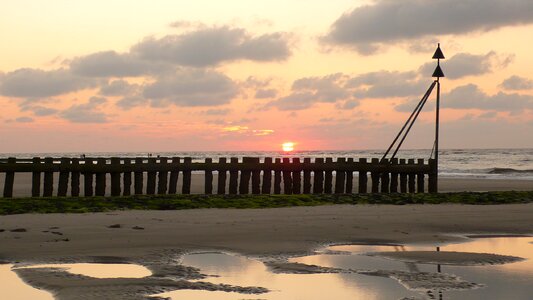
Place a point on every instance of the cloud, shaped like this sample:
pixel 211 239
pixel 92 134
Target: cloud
pixel 113 64
pixel 191 87
pixel 212 46
pixel 466 64
pixel 471 97
pixel 24 120
pixel 384 84
pixel 517 83
pixel 118 88
pixel 38 110
pixel 87 112
pixel 130 102
pixel 217 112
pixel 368 27
pixel 36 83
pixel 265 93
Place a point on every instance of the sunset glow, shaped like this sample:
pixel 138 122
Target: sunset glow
pixel 287 147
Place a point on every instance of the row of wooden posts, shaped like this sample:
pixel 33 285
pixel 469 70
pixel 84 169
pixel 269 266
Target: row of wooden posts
pixel 405 176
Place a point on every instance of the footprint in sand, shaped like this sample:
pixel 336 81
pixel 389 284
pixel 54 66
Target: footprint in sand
pixel 115 226
pixel 137 228
pixel 19 230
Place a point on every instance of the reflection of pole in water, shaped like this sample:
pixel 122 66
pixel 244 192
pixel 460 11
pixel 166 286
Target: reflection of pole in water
pixel 439 271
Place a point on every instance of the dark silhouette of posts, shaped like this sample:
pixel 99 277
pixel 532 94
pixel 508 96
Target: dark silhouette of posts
pixel 363 179
pixel 385 180
pixel 287 178
pixel 328 178
pixel 375 175
pixel 63 177
pixel 115 176
pixel 318 180
pixel 186 188
pixel 221 185
pixel 420 178
pixel 267 176
pixel 208 185
pixel 162 176
pixel 88 178
pixel 151 176
pixel 296 176
pixel 307 175
pixel 394 177
pixel 174 176
pixel 411 177
pixel 349 176
pixel 48 188
pixel 403 178
pixel 277 177
pixel 234 176
pixel 126 179
pixel 432 178
pixel 10 179
pixel 340 176
pixel 36 178
pixel 246 174
pixel 100 177
pixel 256 175
pixel 75 178
pixel 138 176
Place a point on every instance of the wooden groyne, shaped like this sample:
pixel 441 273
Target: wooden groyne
pixel 246 176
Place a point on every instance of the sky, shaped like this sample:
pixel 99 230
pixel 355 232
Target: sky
pixel 240 75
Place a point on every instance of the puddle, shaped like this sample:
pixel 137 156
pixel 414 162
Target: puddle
pixel 14 288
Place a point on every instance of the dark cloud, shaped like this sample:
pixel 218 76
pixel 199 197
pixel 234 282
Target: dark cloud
pixel 217 112
pixel 36 83
pixel 118 88
pixel 388 21
pixel 130 102
pixel 38 110
pixel 113 64
pixel 87 112
pixel 384 84
pixel 517 83
pixel 265 93
pixel 24 120
pixel 212 46
pixel 466 64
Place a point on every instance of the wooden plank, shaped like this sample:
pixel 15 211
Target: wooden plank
pixel 233 176
pixel 174 176
pixel 411 177
pixel 100 178
pixel 349 177
pixel 151 177
pixel 287 176
pixel 328 178
pixel 375 176
pixel 432 180
pixel 296 176
pixel 88 179
pixel 244 184
pixel 267 176
pixel 36 179
pixel 186 188
pixel 363 179
pixel 403 178
pixel 162 176
pixel 138 176
pixel 307 176
pixel 256 176
pixel 9 181
pixel 394 177
pixel 420 178
pixel 115 178
pixel 126 180
pixel 277 177
pixel 385 180
pixel 318 180
pixel 48 188
pixel 340 176
pixel 208 182
pixel 221 188
pixel 62 186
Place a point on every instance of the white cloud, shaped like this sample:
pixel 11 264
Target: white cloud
pixel 86 112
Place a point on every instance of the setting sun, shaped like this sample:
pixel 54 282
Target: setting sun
pixel 287 147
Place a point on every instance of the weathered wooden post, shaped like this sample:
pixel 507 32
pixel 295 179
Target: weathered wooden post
pixel 394 177
pixel 318 172
pixel 187 173
pixel 48 189
pixel 363 179
pixel 151 176
pixel 62 186
pixel 75 179
pixel 432 180
pixel 277 176
pixel 36 177
pixel 208 185
pixel 138 176
pixel 100 177
pixel 88 177
pixel 115 176
pixel 256 175
pixel 296 176
pixel 287 178
pixel 375 175
pixel 340 175
pixel 174 175
pixel 420 177
pixel 9 181
pixel 126 180
pixel 307 175
pixel 221 185
pixel 246 174
pixel 328 180
pixel 267 176
pixel 349 176
pixel 411 176
pixel 162 176
pixel 233 175
pixel 403 178
pixel 385 180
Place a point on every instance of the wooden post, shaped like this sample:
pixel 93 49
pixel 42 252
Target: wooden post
pixel 340 176
pixel 318 180
pixel 187 173
pixel 10 179
pixel 296 176
pixel 411 177
pixel 394 177
pixel 126 180
pixel 432 180
pixel 88 189
pixel 277 177
pixel 115 177
pixel 363 179
pixel 267 176
pixel 233 176
pixel 385 180
pixel 375 175
pixel 307 176
pixel 138 176
pixel 221 187
pixel 36 178
pixel 403 178
pixel 48 189
pixel 75 179
pixel 208 184
pixel 174 175
pixel 246 174
pixel 420 178
pixel 287 178
pixel 63 177
pixel 349 177
pixel 256 176
pixel 100 178
pixel 328 176
pixel 151 176
pixel 162 176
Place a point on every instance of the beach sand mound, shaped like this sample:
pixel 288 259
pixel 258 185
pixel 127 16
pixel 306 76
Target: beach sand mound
pixel 448 257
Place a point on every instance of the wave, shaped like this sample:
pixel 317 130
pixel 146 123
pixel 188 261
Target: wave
pixel 508 171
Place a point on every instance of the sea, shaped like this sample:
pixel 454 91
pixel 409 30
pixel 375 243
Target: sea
pixel 456 163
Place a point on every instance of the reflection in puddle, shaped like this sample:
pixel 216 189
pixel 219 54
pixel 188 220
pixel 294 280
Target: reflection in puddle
pixel 102 270
pixel 13 288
